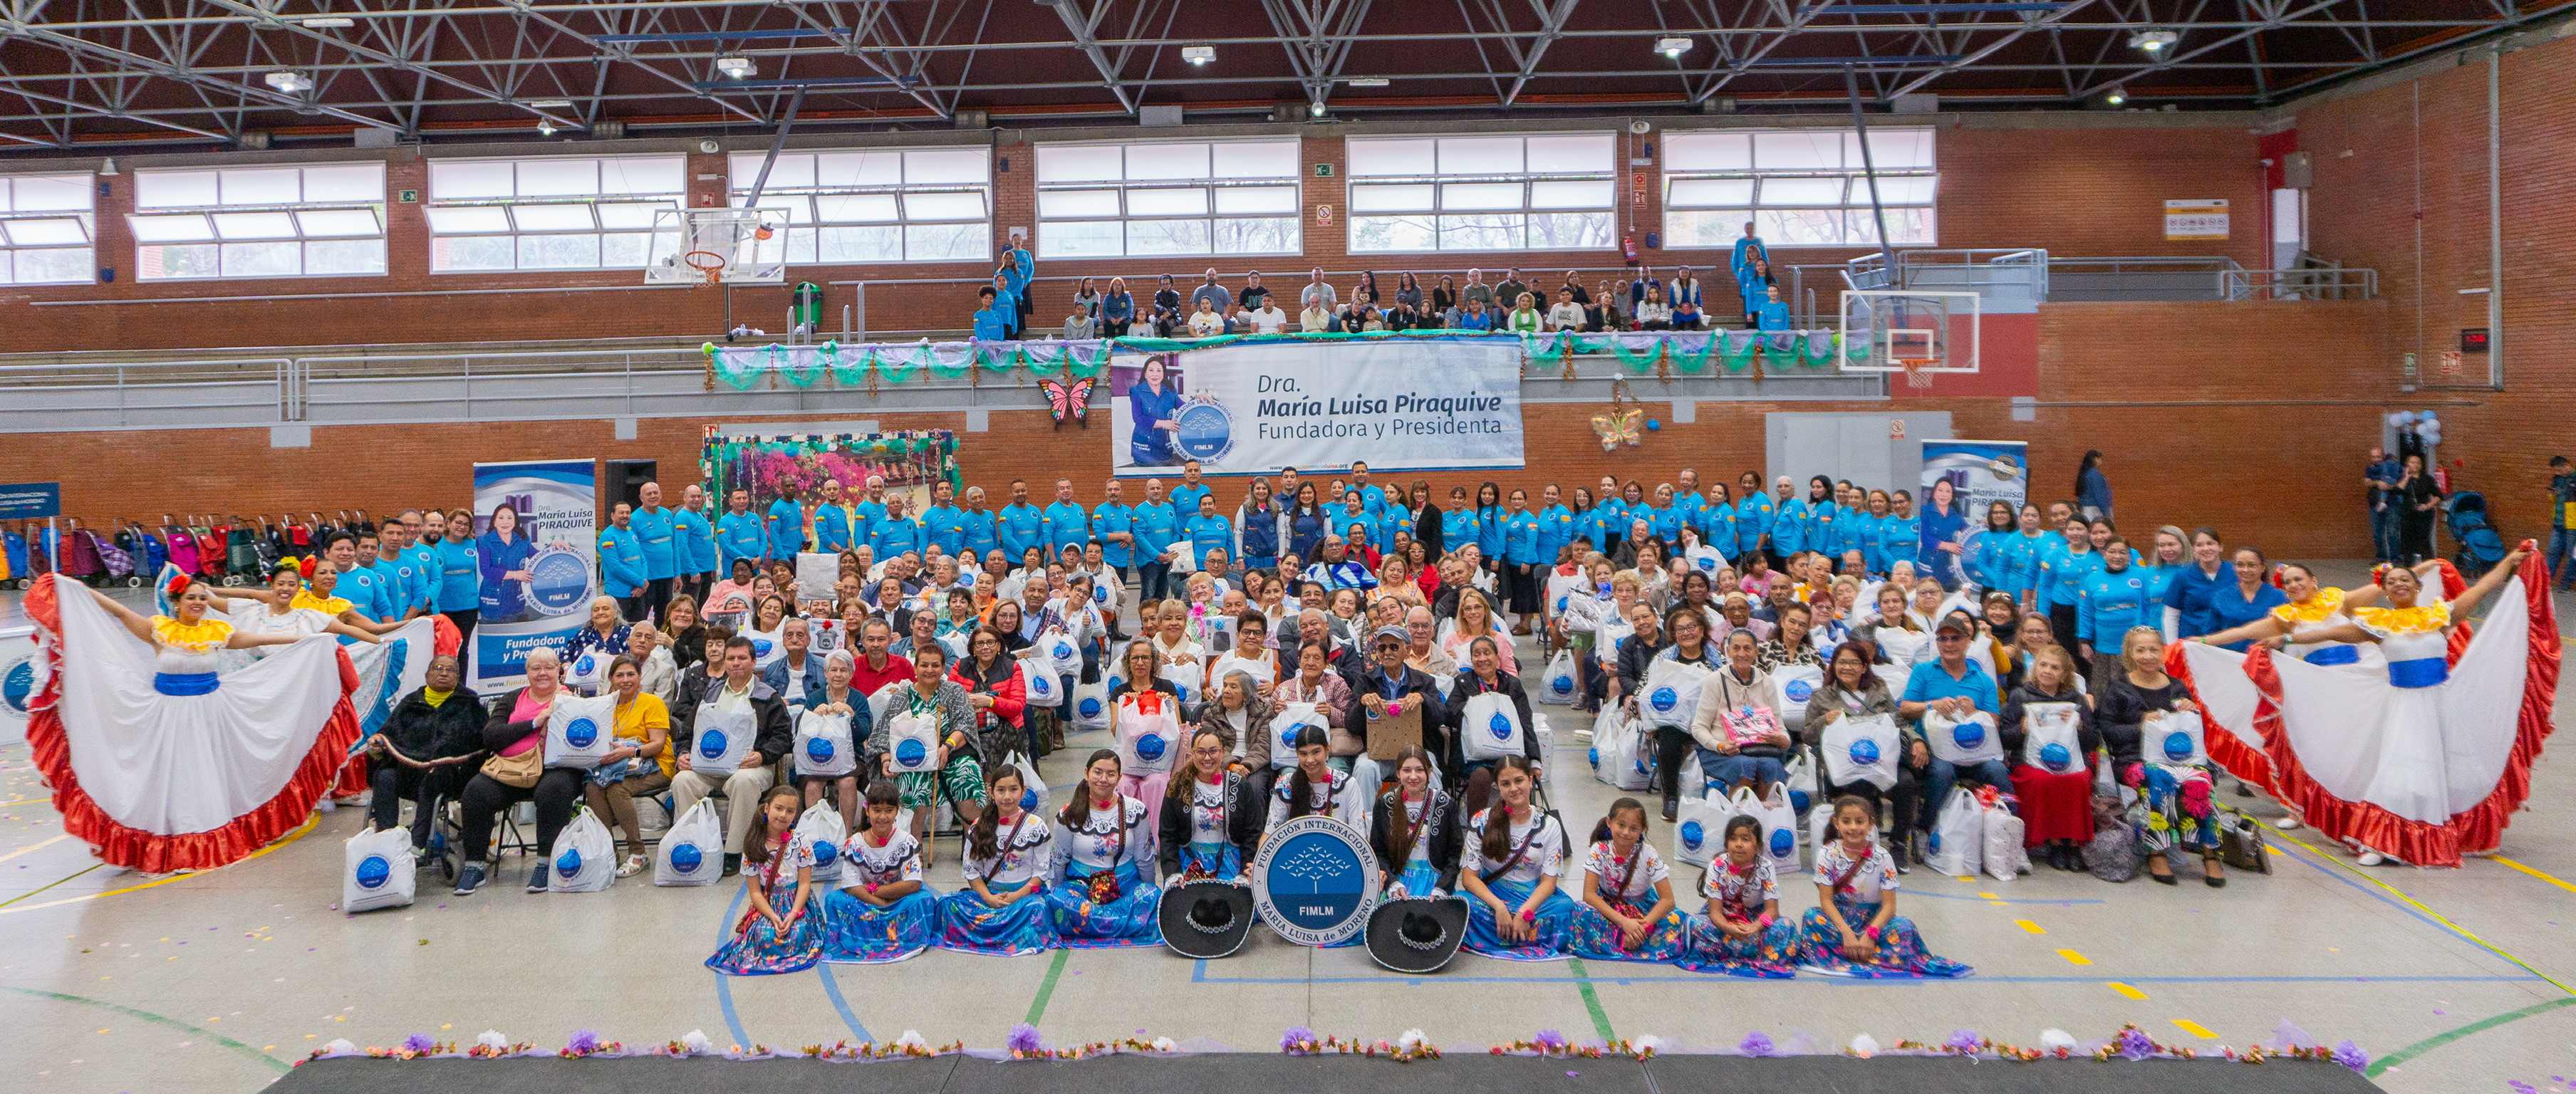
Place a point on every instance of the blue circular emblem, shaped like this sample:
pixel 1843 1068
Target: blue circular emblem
pixel 18 685
pixel 1969 734
pixel 1798 691
pixel 1288 738
pixel 1594 755
pixel 686 858
pixel 1561 684
pixel 760 647
pixel 1204 431
pixel 558 582
pixel 1099 595
pixel 1783 843
pixel 824 853
pixel 2178 746
pixel 1664 699
pixel 2054 756
pixel 1692 834
pixel 1500 726
pixel 1029 800
pixel 1089 707
pixel 1315 882
pixel 568 864
pixel 1151 747
pixel 711 744
pixel 1063 650
pixel 1708 563
pixel 374 871
pixel 1935 842
pixel 819 750
pixel 1799 800
pixel 911 754
pixel 581 733
pixel 1864 752
pixel 586 665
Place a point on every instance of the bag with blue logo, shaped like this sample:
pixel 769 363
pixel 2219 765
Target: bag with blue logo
pixel 2049 741
pixel 1966 740
pixel 379 872
pixel 1149 732
pixel 1705 559
pixel 1779 828
pixel 1957 844
pixel 1283 731
pixel 912 742
pixel 692 851
pixel 1798 683
pixel 1059 651
pixel 1862 749
pixel 823 829
pixel 1188 680
pixel 1671 692
pixel 580 731
pixel 2006 855
pixel 1090 706
pixel 584 858
pixel 1489 728
pixel 587 670
pixel 1620 753
pixel 1557 686
pixel 1803 791
pixel 721 737
pixel 1033 798
pixel 1699 829
pixel 1038 678
pixel 2177 737
pixel 823 746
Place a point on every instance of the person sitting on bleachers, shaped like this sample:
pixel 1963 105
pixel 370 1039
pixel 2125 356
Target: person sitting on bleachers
pixel 1566 314
pixel 1653 313
pixel 1687 316
pixel 1205 322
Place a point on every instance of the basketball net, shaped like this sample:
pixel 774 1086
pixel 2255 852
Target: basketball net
pixel 1915 376
pixel 709 264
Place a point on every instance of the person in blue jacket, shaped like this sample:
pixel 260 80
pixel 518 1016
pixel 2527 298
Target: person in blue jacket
pixel 1208 531
pixel 1555 527
pixel 2042 542
pixel 1934 544
pixel 898 533
pixel 1606 522
pixel 1351 514
pixel 1717 520
pixel 2092 488
pixel 1792 519
pixel 1459 523
pixel 2112 597
pixel 1992 562
pixel 1157 527
pixel 621 561
pixel 1019 268
pixel 1257 528
pixel 694 543
pixel 501 554
pixel 1186 493
pixel 1066 524
pixel 992 323
pixel 1372 496
pixel 870 508
pixel 786 525
pixel 1753 509
pixel 944 524
pixel 833 533
pixel 1020 525
pixel 1113 526
pixel 1525 562
pixel 653 526
pixel 460 576
pixel 1773 314
pixel 422 556
pixel 2061 581
pixel 2196 586
pixel 1862 526
pixel 739 533
pixel 397 573
pixel 979 524
pixel 1308 522
pixel 1153 407
pixel 1489 525
pixel 2252 596
pixel 1666 518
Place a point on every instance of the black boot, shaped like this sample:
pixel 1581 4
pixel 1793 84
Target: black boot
pixel 1672 808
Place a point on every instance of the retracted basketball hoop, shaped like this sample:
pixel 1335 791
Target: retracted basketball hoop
pixel 721 246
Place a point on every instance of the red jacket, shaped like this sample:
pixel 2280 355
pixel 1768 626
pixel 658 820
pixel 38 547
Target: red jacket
pixel 1010 696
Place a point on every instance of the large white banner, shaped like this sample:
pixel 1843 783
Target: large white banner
pixel 537 542
pixel 1960 480
pixel 1399 404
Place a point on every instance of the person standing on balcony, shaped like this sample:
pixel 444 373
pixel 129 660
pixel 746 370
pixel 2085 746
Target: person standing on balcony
pixel 1007 305
pixel 1019 268
pixel 1753 282
pixel 1748 249
pixel 993 316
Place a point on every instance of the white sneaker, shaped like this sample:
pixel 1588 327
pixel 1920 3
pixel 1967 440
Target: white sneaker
pixel 2287 822
pixel 2372 858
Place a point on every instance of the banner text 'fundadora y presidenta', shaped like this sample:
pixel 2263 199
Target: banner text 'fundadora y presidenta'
pixel 1253 408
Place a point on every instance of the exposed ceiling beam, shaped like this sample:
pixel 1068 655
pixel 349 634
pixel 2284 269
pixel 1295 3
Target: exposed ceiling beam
pixel 2051 19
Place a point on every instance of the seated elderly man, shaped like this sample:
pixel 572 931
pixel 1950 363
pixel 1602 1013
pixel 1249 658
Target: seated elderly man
pixel 799 672
pixel 427 749
pixel 740 691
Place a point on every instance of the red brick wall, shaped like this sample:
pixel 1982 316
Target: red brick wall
pixel 2372 150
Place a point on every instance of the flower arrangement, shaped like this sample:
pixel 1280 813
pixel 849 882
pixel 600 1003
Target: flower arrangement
pixel 1408 1047
pixel 1553 1044
pixel 491 1045
pixel 585 1043
pixel 1024 1044
pixel 910 1046
pixel 693 1043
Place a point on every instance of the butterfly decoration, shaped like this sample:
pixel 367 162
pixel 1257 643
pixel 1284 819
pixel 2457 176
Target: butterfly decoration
pixel 1071 400
pixel 1624 423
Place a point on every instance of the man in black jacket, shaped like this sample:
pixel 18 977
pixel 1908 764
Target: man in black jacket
pixel 1390 688
pixel 741 687
pixel 427 749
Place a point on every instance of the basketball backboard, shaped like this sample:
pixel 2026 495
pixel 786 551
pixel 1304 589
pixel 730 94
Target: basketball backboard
pixel 718 247
pixel 1915 332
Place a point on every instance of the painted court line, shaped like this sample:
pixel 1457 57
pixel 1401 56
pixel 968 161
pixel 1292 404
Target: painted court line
pixel 1200 975
pixel 266 1060
pixel 2499 858
pixel 2195 1029
pixel 2027 925
pixel 38 845
pixel 724 985
pixel 2396 898
pixel 2052 902
pixel 1046 987
pixel 2447 1036
pixel 310 823
pixel 832 991
pixel 2129 990
pixel 2074 958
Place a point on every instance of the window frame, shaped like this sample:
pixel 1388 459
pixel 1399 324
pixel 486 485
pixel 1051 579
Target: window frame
pixel 86 216
pixel 229 222
pixel 591 202
pixel 1853 212
pixel 1448 213
pixel 805 222
pixel 1213 218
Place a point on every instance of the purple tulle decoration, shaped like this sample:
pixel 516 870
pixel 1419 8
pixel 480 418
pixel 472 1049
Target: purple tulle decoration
pixel 1549 1040
pixel 1024 1038
pixel 2350 1055
pixel 2133 1044
pixel 1757 1043
pixel 583 1042
pixel 419 1042
pixel 1295 1037
pixel 1963 1041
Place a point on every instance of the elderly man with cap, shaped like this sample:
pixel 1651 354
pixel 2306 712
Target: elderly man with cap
pixel 1389 688
pixel 1951 685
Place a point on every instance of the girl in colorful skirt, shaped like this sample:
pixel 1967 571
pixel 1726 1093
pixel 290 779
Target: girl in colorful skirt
pixel 777 864
pixel 1742 933
pixel 1509 865
pixel 1854 930
pixel 1415 832
pixel 885 913
pixel 1617 921
pixel 1104 841
pixel 1001 912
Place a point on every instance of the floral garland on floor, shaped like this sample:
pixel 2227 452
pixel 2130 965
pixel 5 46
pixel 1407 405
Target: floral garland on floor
pixel 2130 1043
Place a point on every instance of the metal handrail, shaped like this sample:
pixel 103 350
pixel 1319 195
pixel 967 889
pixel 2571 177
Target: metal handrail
pixel 1987 266
pixel 2305 283
pixel 2142 263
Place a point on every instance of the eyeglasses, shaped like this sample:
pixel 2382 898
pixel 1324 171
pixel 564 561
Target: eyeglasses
pixel 1949 637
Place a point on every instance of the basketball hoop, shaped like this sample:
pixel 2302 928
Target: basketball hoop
pixel 1915 376
pixel 709 264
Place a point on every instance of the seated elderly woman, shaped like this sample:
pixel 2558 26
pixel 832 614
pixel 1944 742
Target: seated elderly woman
pixel 515 732
pixel 606 634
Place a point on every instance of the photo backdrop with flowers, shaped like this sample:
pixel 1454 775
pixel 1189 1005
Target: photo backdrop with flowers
pixel 909 461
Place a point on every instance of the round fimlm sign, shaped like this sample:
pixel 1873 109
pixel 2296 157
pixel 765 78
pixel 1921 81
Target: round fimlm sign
pixel 1315 881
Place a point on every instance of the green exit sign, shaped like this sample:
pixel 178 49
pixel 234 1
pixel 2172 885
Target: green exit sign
pixel 1323 170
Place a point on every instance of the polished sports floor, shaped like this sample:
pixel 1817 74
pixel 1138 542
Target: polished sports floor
pixel 112 982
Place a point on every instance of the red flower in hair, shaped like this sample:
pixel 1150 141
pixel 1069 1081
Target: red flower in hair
pixel 178 586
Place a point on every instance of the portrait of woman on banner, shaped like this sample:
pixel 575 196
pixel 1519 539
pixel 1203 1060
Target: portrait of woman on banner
pixel 502 552
pixel 1153 410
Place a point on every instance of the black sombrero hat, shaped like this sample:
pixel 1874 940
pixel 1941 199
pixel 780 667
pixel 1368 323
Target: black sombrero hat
pixel 1208 917
pixel 1417 935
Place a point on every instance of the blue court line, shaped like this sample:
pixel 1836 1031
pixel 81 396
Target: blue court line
pixel 1199 975
pixel 2303 857
pixel 832 990
pixel 724 986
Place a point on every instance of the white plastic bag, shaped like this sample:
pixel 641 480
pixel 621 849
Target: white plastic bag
pixel 379 871
pixel 1059 651
pixel 1619 753
pixel 1803 791
pixel 1557 686
pixel 1699 831
pixel 580 731
pixel 1957 844
pixel 823 746
pixel 2049 741
pixel 1038 678
pixel 585 672
pixel 1283 732
pixel 912 741
pixel 1228 665
pixel 1962 741
pixel 1561 589
pixel 1186 679
pixel 1798 683
pixel 1090 706
pixel 1779 829
pixel 1705 559
pixel 1033 798
pixel 1862 749
pixel 2005 856
pixel 2175 737
pixel 584 858
pixel 1147 739
pixel 691 850
pixel 823 829
pixel 1489 728
pixel 1820 828
pixel 720 739
pixel 1671 692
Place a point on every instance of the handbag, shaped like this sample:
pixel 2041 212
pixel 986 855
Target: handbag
pixel 2241 846
pixel 517 772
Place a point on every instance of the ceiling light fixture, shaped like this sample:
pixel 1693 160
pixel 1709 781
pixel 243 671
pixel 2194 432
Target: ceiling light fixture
pixel 2117 96
pixel 545 128
pixel 1673 46
pixel 1315 108
pixel 327 22
pixel 1198 55
pixel 734 67
pixel 548 104
pixel 291 83
pixel 2154 41
pixel 1366 81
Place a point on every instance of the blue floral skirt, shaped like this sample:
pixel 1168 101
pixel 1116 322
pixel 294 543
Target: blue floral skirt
pixel 1220 860
pixel 1595 938
pixel 759 949
pixel 1554 922
pixel 1133 919
pixel 856 932
pixel 970 924
pixel 1901 955
pixel 1769 955
pixel 1419 879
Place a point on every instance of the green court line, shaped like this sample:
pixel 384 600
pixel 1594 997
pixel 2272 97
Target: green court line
pixel 1591 999
pixel 273 1063
pixel 1046 987
pixel 42 888
pixel 2439 1039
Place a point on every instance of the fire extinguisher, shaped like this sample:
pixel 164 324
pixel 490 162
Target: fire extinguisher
pixel 1628 247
